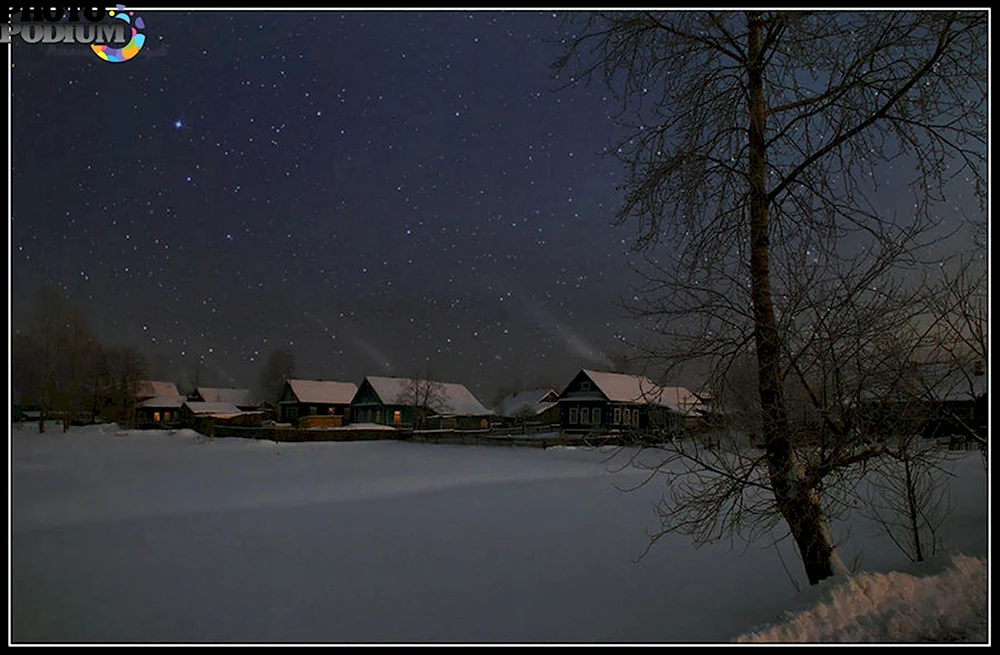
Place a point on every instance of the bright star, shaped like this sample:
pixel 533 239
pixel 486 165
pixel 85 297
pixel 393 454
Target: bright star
pixel 178 124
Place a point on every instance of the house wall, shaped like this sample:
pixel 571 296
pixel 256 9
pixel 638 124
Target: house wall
pixel 290 412
pixel 153 416
pixel 376 412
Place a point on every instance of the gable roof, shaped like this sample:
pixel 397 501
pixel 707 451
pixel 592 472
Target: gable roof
pixel 936 381
pixel 220 395
pixel 162 402
pixel 532 399
pixel 456 399
pixel 153 388
pixel 213 409
pixel 625 388
pixel 323 391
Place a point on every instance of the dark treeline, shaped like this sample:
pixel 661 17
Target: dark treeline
pixel 60 367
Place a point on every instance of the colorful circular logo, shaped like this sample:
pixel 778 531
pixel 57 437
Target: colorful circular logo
pixel 130 49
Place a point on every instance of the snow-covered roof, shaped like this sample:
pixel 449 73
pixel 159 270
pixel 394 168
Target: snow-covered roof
pixel 531 399
pixel 323 391
pixel 165 402
pixel 213 409
pixel 220 395
pixel 625 388
pixel 453 399
pixel 152 388
pixel 939 381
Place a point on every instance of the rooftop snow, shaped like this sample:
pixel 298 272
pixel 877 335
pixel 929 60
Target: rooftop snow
pixel 323 391
pixel 456 399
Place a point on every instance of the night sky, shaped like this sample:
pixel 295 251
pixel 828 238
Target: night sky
pixel 382 192
pixel 376 190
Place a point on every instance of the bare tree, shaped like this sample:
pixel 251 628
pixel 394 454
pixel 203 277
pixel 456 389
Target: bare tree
pixel 755 149
pixel 908 497
pixel 125 368
pixel 278 369
pixel 425 395
pixel 55 357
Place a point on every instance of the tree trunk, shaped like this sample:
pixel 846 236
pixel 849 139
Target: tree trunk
pixel 797 504
pixel 912 507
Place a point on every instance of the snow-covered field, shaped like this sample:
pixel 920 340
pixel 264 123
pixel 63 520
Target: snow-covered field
pixel 160 537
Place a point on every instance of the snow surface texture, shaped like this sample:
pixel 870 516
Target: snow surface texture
pixel 168 537
pixel 895 607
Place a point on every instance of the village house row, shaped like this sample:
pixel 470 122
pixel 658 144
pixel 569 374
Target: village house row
pixel 592 400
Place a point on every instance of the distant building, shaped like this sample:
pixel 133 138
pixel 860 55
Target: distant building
pixel 301 398
pixel 405 401
pixel 242 398
pixel 936 399
pixel 156 388
pixel 158 404
pixel 600 401
pixel 534 406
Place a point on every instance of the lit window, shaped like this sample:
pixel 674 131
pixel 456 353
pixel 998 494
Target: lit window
pixel 573 418
pixel 156 417
pixel 166 416
pixel 397 417
pixel 618 415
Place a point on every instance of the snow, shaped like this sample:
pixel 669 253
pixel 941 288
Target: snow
pixel 531 400
pixel 213 409
pixel 151 388
pixel 163 402
pixel 323 391
pixel 624 388
pixel 167 537
pixel 456 399
pixel 224 395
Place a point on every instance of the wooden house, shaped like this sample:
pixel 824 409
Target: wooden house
pixel 158 404
pixel 540 406
pixel 598 401
pixel 421 403
pixel 242 398
pixel 302 398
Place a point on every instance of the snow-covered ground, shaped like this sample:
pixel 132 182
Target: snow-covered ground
pixel 168 537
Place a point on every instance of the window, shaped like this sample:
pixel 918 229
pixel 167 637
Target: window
pixel 378 416
pixel 330 410
pixel 156 417
pixel 573 418
pixel 627 415
pixel 618 415
pixel 635 418
pixel 584 415
pixel 585 385
pixel 397 417
pixel 312 410
pixel 595 416
pixel 166 416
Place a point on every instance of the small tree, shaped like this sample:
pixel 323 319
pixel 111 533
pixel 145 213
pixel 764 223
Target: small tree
pixel 907 495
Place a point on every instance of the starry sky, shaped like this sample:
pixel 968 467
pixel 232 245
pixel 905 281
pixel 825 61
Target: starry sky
pixel 383 192
pixel 378 191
